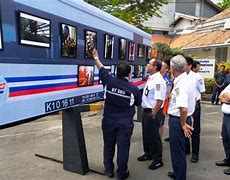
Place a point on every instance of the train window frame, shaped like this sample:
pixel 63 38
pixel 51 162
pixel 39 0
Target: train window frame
pixel 141 46
pixel 135 68
pixel 78 70
pixel 93 46
pixel 106 47
pixel 34 17
pixel 62 46
pixel 1 33
pixel 120 49
pixel 133 53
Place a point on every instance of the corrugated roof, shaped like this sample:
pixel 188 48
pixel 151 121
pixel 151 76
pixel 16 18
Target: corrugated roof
pixel 161 38
pixel 196 40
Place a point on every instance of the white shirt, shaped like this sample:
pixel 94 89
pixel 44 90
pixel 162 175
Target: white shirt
pixel 198 81
pixel 155 89
pixel 182 95
pixel 226 107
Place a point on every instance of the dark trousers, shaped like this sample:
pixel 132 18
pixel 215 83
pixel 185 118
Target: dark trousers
pixel 177 147
pixel 215 94
pixel 150 132
pixel 116 133
pixel 196 132
pixel 226 135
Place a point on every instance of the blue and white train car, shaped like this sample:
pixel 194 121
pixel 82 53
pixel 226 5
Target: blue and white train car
pixel 45 60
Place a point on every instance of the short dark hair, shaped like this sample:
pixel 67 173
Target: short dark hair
pixel 167 62
pixel 158 64
pixel 223 66
pixel 123 70
pixel 194 64
pixel 189 60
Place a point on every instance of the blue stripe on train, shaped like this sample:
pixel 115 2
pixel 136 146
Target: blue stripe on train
pixel 39 78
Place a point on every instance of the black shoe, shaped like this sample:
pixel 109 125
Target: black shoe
pixel 167 139
pixel 155 165
pixel 194 158
pixel 125 176
pixel 171 174
pixel 227 171
pixel 109 174
pixel 144 158
pixel 222 163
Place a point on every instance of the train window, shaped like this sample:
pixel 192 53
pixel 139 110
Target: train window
pixel 85 75
pixel 68 41
pixel 131 51
pixel 109 69
pixel 141 51
pixel 122 48
pixel 109 46
pixel 34 30
pixel 90 43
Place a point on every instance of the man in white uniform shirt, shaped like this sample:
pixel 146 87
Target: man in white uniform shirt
pixel 199 88
pixel 225 99
pixel 152 102
pixel 182 106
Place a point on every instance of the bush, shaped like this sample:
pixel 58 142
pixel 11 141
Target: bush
pixel 208 82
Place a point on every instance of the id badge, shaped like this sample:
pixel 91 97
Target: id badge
pixel 146 91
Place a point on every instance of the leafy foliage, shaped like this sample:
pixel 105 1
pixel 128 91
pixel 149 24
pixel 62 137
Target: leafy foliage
pixel 224 4
pixel 132 11
pixel 164 52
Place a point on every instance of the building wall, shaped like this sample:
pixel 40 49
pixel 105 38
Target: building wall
pixel 201 53
pixel 196 8
pixel 184 23
pixel 168 11
pixel 228 56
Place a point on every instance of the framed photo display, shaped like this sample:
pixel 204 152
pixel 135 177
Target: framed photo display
pixel 141 51
pixel 1 36
pixel 34 30
pixel 109 46
pixel 131 51
pixel 85 75
pixel 122 48
pixel 90 43
pixel 68 41
pixel 149 50
pixel 137 71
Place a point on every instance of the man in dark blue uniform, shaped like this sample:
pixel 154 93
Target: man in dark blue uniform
pixel 117 123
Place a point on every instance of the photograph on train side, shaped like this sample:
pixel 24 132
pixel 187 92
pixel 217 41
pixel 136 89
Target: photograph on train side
pixel 141 50
pixel 90 43
pixel 34 30
pixel 68 41
pixel 109 69
pixel 131 51
pixel 1 39
pixel 149 49
pixel 85 75
pixel 144 72
pixel 122 48
pixel 109 45
pixel 137 71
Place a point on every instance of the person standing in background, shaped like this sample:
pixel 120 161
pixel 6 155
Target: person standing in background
pixel 218 84
pixel 227 79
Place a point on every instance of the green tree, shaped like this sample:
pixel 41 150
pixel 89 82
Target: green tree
pixel 132 11
pixel 224 4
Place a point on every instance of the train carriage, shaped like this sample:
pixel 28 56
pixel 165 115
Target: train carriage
pixel 45 55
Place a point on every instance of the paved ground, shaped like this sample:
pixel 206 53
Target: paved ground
pixel 44 136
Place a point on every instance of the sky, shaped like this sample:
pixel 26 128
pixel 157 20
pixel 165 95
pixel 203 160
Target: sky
pixel 216 1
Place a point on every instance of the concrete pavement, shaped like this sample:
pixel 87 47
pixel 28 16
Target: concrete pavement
pixel 44 136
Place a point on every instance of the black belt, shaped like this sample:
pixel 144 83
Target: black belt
pixel 226 114
pixel 147 110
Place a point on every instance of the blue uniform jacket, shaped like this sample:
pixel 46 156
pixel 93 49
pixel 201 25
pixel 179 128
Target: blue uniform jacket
pixel 120 96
